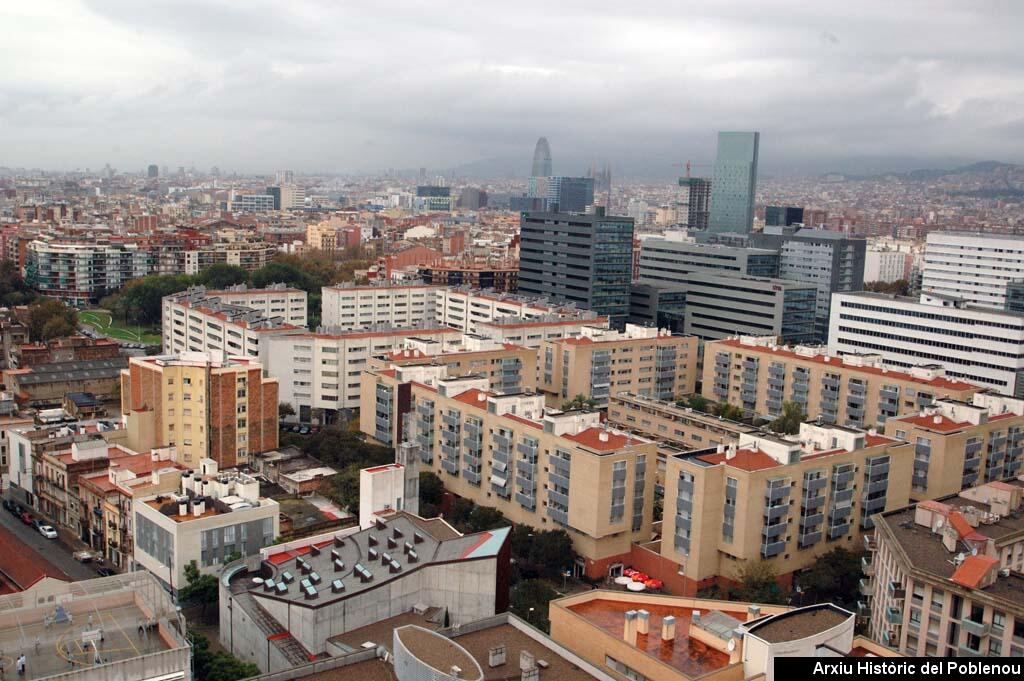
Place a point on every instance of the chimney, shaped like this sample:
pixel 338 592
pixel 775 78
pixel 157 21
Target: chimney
pixel 668 628
pixel 183 508
pixel 753 612
pixel 937 419
pixel 720 449
pixel 730 453
pixel 603 436
pixel 199 508
pixel 629 628
pixel 643 622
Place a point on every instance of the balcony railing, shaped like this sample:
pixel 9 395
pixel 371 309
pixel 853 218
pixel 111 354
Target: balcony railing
pixel 973 627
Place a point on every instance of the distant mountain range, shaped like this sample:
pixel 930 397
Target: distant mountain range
pixel 928 174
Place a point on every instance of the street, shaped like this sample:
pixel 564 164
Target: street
pixel 57 551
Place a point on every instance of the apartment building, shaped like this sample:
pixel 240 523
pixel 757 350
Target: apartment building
pixel 212 516
pixel 672 638
pixel 784 500
pixel 500 277
pixel 319 373
pixel 248 254
pixel 960 444
pixel 106 500
pixel 981 345
pixel 202 405
pixel 345 307
pixel 674 428
pixel 80 271
pixel 858 390
pixel 600 362
pixel 546 468
pixel 943 577
pixel 464 308
pixel 971 266
pixel 532 333
pixel 274 301
pixel 385 392
pixel 195 321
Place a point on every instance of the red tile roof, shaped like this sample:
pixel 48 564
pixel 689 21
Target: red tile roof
pixel 973 570
pixel 935 422
pixel 745 459
pixel 963 528
pixel 21 565
pixel 523 420
pixel 474 397
pixel 591 437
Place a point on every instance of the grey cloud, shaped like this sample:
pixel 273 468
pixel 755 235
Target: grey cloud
pixel 362 86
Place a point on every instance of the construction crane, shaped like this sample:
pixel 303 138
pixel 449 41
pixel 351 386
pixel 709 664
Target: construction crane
pixel 690 164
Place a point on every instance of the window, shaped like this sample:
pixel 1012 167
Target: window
pixel 628 672
pixel 998 620
pixel 241 423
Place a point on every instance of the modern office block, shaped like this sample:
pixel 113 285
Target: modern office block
pixel 735 182
pixel 669 259
pixel 974 267
pixel 783 216
pixel 831 261
pixel 721 306
pixel 693 204
pixel 583 259
pixel 569 194
pixel 979 345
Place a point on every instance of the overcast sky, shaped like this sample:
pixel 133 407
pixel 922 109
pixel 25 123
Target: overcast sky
pixel 360 86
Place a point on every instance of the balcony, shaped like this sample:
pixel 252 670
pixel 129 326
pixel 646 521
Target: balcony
pixel 837 531
pixel 558 498
pixel 772 549
pixel 526 484
pixel 684 505
pixel 471 475
pixel 865 587
pixel 773 513
pixel 560 480
pixel 964 651
pixel 451 467
pixel 842 478
pixel 526 501
pixel 471 428
pixel 867 566
pixel 976 628
pixel 502 441
pixel 775 494
pixel 972 462
pixel 810 504
pixel 450 419
pixel 773 531
pixel 809 539
pixel 875 487
pixel 870 543
pixel 876 505
pixel 830 383
pixel 842 495
pixel 814 485
pixel 529 451
pixel 558 515
pixel 813 520
pixel 893 615
pixel 896 591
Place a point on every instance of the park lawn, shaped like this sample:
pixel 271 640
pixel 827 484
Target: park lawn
pixel 104 322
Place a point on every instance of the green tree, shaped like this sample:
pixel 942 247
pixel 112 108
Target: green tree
pixel 789 420
pixel 758 583
pixel 551 552
pixel 280 273
pixel 219 666
pixel 728 411
pixel 13 289
pixel 339 446
pixel 530 599
pixel 431 488
pixel 221 276
pixel 345 487
pixel 832 578
pixel 199 589
pixel 900 287
pixel 696 401
pixel 581 401
pixel 50 318
pixel 483 518
pixel 460 512
pixel 140 301
pixel 284 410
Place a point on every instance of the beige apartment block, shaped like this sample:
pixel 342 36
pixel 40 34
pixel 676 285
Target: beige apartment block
pixel 601 362
pixel 943 577
pixel 674 428
pixel 545 468
pixel 758 375
pixel 962 444
pixel 785 500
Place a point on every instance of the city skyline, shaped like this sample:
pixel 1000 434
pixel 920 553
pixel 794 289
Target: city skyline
pixel 137 84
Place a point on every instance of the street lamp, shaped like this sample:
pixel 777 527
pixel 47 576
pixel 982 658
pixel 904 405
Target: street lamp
pixel 529 616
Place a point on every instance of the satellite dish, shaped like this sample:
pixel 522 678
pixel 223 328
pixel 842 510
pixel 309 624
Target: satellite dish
pixel 940 523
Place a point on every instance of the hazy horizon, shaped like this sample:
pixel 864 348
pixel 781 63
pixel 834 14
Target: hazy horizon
pixel 257 86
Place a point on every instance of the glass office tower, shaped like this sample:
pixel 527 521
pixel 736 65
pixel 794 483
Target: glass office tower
pixel 734 183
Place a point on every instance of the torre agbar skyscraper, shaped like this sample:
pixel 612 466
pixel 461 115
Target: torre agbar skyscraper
pixel 541 159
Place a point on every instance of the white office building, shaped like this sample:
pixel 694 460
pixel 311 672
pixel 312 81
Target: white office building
pixel 974 344
pixel 974 267
pixel 885 265
pixel 362 307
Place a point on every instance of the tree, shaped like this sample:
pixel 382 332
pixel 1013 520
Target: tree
pixel 832 578
pixel 345 487
pixel 338 446
pixel 280 273
pixel 551 552
pixel 900 287
pixel 758 583
pixel 219 666
pixel 530 599
pixel 728 411
pixel 221 276
pixel 431 488
pixel 483 518
pixel 232 557
pixel 199 589
pixel 696 401
pixel 13 289
pixel 284 410
pixel 49 318
pixel 460 512
pixel 579 402
pixel 789 420
pixel 141 300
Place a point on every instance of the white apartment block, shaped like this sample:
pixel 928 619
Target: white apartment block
pixel 322 370
pixel 974 344
pixel 974 267
pixel 464 309
pixel 363 307
pixel 885 265
pixel 276 300
pixel 194 323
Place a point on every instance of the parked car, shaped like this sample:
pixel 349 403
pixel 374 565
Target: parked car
pixel 83 556
pixel 105 571
pixel 47 531
pixel 304 430
pixel 38 523
pixel 27 518
pixel 8 504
